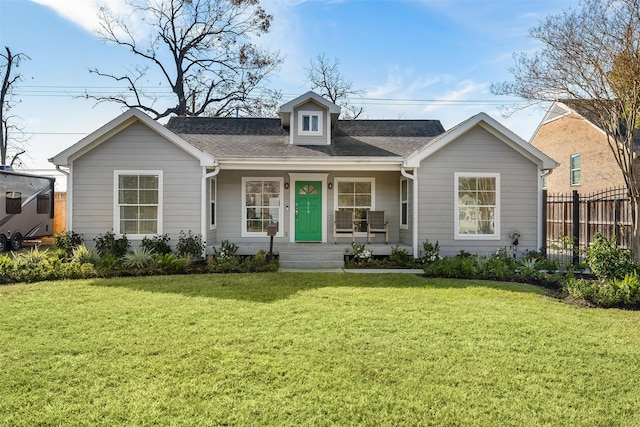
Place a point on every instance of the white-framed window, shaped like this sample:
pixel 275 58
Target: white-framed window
pixel 356 195
pixel 477 206
pixel 310 123
pixel 575 169
pixel 262 203
pixel 404 203
pixel 138 203
pixel 213 190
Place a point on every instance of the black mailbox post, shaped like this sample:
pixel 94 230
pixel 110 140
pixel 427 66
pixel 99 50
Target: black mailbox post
pixel 272 229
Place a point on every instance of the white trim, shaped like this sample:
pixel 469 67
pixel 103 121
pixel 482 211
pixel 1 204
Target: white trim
pixel 243 230
pixel 116 204
pixel 414 211
pixel 496 219
pixel 372 180
pixel 293 177
pixel 404 226
pixel 320 123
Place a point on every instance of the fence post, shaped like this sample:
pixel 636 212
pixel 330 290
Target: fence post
pixel 545 216
pixel 576 227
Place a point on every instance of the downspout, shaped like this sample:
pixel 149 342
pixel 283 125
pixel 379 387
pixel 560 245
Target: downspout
pixel 203 204
pixel 68 202
pixel 414 220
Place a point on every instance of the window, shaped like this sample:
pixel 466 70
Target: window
pixel 138 203
pixel 310 122
pixel 356 195
pixel 43 202
pixel 14 202
pixel 574 165
pixel 404 203
pixel 262 204
pixel 212 201
pixel 477 203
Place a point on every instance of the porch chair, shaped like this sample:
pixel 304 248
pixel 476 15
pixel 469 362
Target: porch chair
pixel 343 222
pixel 377 224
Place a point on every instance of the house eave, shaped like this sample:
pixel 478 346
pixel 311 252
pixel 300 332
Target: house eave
pixel 342 164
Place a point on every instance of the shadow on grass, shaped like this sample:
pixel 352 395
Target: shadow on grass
pixel 269 287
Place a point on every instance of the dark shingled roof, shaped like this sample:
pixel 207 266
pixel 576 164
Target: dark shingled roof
pixel 265 138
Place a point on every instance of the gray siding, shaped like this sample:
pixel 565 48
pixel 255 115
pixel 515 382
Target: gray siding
pixel 478 151
pixel 135 148
pixel 307 139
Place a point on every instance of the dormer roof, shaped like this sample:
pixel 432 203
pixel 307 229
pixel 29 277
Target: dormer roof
pixel 287 109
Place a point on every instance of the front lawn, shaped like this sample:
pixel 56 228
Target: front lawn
pixel 311 349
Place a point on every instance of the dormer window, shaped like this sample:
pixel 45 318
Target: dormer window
pixel 310 123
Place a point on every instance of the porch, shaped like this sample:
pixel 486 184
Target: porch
pixel 316 255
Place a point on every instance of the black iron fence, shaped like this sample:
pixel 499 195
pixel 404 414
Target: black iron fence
pixel 571 220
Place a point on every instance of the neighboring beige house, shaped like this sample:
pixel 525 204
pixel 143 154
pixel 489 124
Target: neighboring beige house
pixel 468 188
pixel 579 145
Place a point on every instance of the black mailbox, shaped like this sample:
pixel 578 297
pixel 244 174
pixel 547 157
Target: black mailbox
pixel 272 229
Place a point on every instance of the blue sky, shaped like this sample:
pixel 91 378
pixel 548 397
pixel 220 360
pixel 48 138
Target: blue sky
pixel 414 59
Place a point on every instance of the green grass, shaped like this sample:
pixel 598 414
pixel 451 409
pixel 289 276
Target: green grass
pixel 311 350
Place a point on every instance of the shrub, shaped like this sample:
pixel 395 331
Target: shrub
pixel 170 263
pixel 431 251
pixel 400 258
pixel 67 242
pixel 224 259
pixel 457 266
pixel 157 244
pixel 606 261
pixel 190 245
pixel 528 267
pixel 108 244
pixel 6 269
pixel 84 255
pixel 623 292
pixel 360 254
pixel 140 258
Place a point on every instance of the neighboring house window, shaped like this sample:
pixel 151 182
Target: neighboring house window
pixel 576 171
pixel 262 204
pixel 310 122
pixel 404 203
pixel 212 201
pixel 477 205
pixel 356 195
pixel 14 202
pixel 43 202
pixel 138 203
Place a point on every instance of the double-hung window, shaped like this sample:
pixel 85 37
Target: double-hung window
pixel 477 206
pixel 576 170
pixel 356 195
pixel 138 203
pixel 262 204
pixel 310 122
pixel 404 203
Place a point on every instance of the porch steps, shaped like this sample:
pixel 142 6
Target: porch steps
pixel 311 256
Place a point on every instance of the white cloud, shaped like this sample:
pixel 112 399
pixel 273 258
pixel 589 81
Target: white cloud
pixel 83 13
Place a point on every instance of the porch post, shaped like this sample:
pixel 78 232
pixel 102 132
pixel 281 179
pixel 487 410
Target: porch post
pixel 414 221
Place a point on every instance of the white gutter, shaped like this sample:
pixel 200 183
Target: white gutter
pixel 203 205
pixel 414 223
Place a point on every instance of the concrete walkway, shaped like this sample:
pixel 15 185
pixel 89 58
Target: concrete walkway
pixel 353 270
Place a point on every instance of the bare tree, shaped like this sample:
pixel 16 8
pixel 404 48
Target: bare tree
pixel 591 55
pixel 325 76
pixel 201 48
pixel 11 136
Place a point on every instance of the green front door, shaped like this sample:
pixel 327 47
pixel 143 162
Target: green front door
pixel 308 211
